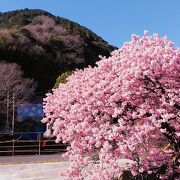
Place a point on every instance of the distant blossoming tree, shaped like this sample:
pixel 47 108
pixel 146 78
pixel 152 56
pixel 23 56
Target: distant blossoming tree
pixel 126 107
pixel 13 85
pixel 45 29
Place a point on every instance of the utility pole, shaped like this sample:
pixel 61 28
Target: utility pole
pixel 7 111
pixel 13 111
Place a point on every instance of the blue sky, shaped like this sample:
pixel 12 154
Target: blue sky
pixel 113 20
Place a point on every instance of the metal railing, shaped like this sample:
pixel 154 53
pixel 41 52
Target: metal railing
pixel 26 143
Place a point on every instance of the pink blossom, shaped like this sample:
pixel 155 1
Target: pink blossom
pixel 127 106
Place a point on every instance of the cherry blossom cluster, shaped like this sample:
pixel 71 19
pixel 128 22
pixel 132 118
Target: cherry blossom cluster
pixel 127 107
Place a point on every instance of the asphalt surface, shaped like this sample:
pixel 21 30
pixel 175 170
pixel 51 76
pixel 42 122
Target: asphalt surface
pixel 35 171
pixel 32 167
pixel 31 159
pixel 36 167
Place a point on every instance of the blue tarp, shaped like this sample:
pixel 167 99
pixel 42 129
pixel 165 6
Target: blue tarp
pixel 25 111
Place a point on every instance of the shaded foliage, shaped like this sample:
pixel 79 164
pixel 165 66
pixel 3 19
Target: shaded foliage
pixel 62 79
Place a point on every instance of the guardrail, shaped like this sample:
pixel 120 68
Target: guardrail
pixel 26 143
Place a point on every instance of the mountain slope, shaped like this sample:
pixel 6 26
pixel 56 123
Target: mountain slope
pixel 46 46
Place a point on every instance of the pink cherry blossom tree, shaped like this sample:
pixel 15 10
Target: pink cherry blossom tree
pixel 125 107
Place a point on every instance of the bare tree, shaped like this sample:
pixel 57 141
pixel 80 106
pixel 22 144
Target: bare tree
pixel 14 88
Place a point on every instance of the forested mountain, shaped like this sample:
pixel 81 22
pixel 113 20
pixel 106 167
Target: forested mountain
pixel 46 46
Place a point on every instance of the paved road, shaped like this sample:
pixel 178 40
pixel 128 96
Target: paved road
pixel 36 171
pixel 31 159
pixel 43 167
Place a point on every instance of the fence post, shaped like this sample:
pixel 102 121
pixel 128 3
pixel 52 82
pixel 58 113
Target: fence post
pixel 39 135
